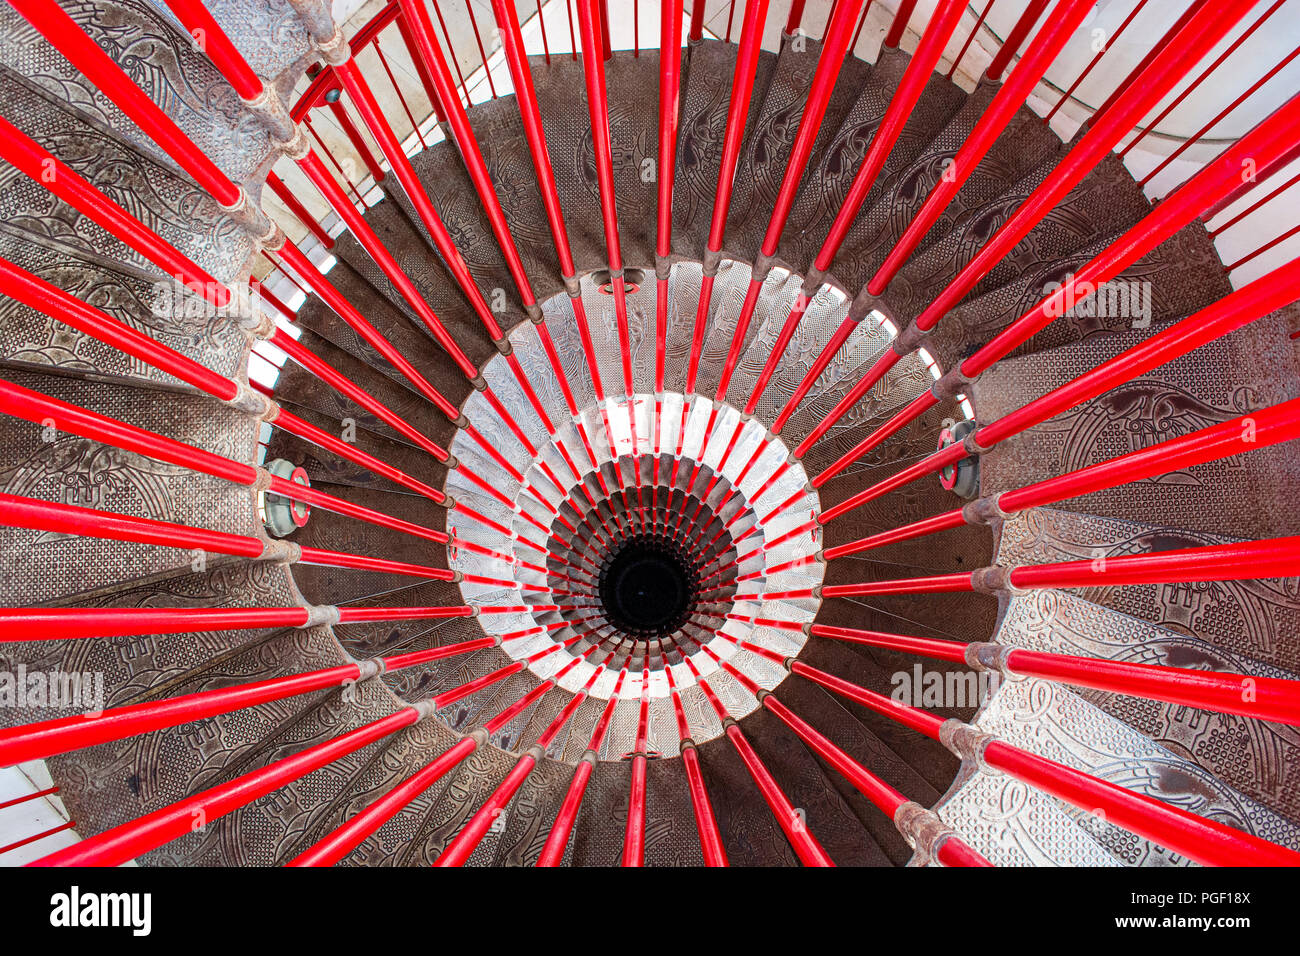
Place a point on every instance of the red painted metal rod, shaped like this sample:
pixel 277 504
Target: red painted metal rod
pixel 1265 698
pixel 593 66
pixel 979 22
pixel 742 88
pixel 345 310
pixel 951 852
pixel 353 833
pixel 1195 137
pixel 1201 33
pixel 212 39
pixel 48 299
pixel 1011 45
pixel 38 836
pixel 706 823
pixel 1168 37
pixel 899 24
pixel 1260 298
pixel 512 44
pixel 56 303
pixel 460 849
pixel 129 840
pixel 26 155
pixel 36 795
pixel 71 623
pixel 634 832
pixel 1266 558
pixel 792 21
pixel 346 387
pixel 58 518
pixel 919 70
pixel 1265 145
pixel 366 236
pixel 670 80
pixel 1269 426
pixel 43 410
pixel 1173 104
pixel 295 206
pixel 359 92
pixel 558 838
pixel 417 19
pixel 697 22
pixel 1026 74
pixel 303 429
pixel 45 739
pixel 805 845
pixel 836 47
pixel 346 838
pixel 1276 240
pixel 1272 194
pixel 359 144
pixel 517 59
pixel 1197 838
pixel 86 56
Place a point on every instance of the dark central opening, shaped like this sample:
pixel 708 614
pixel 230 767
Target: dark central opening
pixel 648 586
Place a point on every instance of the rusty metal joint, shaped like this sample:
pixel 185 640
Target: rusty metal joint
pixel 965 741
pixel 984 510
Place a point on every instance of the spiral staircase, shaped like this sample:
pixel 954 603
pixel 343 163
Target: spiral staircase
pixel 571 528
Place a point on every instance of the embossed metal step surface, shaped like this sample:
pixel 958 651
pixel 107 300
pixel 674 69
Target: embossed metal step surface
pixel 547 505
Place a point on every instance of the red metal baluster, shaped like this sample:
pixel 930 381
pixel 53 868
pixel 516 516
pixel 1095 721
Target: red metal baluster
pixel 478 38
pixel 27 156
pixel 933 42
pixel 594 72
pixel 1259 697
pixel 49 19
pixel 806 847
pixel 1201 33
pixel 742 88
pixel 1268 144
pixel 46 739
pixel 634 834
pixel 463 845
pixel 357 140
pixel 1260 429
pixel 1195 837
pixel 1187 143
pixel 796 16
pixel 1016 37
pixel 711 846
pixel 1173 104
pixel 359 199
pixel 973 33
pixel 1028 71
pixel 951 850
pixel 286 196
pixel 697 22
pixel 835 49
pixel 383 61
pixel 1083 75
pixel 558 838
pixel 1269 558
